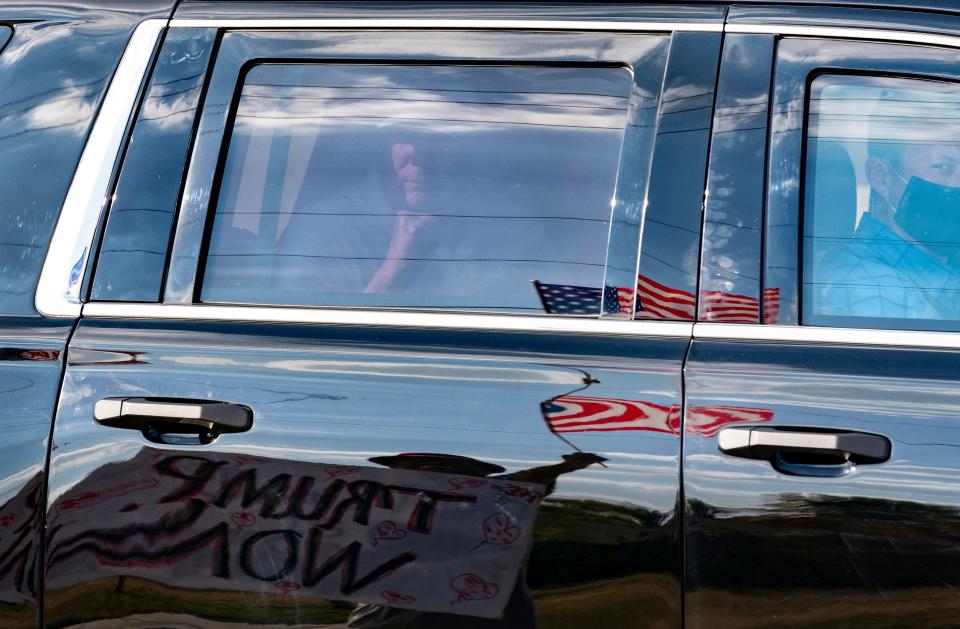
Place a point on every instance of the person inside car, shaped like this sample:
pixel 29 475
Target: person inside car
pixel 903 260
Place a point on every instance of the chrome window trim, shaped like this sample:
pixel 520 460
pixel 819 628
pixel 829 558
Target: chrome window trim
pixel 456 24
pixel 389 318
pixel 840 32
pixel 58 289
pixel 832 336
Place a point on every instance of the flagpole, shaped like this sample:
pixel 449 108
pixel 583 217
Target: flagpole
pixel 587 381
pixel 543 302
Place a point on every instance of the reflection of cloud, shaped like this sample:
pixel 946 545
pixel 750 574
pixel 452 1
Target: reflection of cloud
pixel 74 109
pixel 10 485
pixel 734 483
pixel 460 97
pixel 70 468
pixel 30 36
pixel 441 371
pixel 168 113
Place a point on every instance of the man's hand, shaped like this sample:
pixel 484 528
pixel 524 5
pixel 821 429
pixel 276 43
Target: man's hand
pixel 581 460
pixel 408 227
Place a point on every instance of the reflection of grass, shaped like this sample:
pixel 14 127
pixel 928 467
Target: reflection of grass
pixel 99 600
pixel 649 601
pixel 18 614
pixel 637 601
pixel 889 609
pixel 560 519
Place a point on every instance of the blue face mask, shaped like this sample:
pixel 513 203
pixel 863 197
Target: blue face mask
pixel 930 213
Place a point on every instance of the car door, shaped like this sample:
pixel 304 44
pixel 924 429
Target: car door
pixel 388 372
pixel 826 490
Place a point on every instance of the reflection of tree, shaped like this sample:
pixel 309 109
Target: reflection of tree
pixel 827 542
pixel 577 541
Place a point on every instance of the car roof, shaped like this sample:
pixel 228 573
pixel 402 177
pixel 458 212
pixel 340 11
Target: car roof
pixel 936 6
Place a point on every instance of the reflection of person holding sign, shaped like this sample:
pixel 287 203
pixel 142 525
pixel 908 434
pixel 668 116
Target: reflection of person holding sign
pixel 519 611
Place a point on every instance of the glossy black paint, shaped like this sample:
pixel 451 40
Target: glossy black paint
pixel 733 213
pixel 875 548
pixel 339 395
pixel 672 220
pixel 133 253
pixel 31 362
pixel 53 74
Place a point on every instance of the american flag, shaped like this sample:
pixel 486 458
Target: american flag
pixel 586 300
pixel 658 301
pixel 577 413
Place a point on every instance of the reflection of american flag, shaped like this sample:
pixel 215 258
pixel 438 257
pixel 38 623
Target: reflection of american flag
pixel 567 299
pixel 577 413
pixel 717 305
pixel 708 420
pixel 730 308
pixel 657 301
pixel 771 305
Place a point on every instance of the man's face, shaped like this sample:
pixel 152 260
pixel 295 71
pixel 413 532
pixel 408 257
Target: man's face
pixel 939 164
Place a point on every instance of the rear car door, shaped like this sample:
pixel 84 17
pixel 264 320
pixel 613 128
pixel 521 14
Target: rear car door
pixel 826 491
pixel 387 372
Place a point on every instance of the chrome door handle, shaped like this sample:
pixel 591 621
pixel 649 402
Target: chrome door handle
pixel 805 451
pixel 141 413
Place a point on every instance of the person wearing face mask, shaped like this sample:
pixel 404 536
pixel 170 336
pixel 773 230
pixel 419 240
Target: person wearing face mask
pixel 904 258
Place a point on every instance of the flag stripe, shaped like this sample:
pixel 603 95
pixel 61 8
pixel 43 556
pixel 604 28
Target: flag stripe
pixel 585 414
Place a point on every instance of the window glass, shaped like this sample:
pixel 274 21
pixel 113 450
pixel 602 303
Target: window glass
pixel 882 204
pixel 466 187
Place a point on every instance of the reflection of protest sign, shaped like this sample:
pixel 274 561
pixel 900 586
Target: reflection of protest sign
pixel 421 540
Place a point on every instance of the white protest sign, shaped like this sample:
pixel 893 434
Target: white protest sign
pixel 410 539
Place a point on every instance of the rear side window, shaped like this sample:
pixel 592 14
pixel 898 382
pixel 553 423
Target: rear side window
pixel 882 204
pixel 423 186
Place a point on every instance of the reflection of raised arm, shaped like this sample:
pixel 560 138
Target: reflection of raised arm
pixel 548 474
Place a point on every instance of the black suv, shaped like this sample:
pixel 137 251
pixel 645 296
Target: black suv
pixel 480 314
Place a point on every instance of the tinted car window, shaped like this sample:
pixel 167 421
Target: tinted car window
pixel 430 186
pixel 882 196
